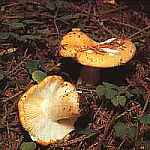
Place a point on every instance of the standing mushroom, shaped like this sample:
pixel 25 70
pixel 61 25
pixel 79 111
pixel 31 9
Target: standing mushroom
pixel 94 55
pixel 49 110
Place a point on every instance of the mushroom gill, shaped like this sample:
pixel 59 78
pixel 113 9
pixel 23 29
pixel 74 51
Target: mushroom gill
pixel 49 110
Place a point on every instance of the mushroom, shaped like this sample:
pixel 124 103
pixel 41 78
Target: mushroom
pixel 49 110
pixel 94 55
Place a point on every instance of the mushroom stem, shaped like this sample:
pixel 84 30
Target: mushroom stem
pixel 89 76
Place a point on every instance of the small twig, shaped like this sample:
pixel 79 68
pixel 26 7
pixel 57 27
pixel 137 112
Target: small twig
pixel 25 53
pixel 146 104
pixel 109 31
pixel 85 90
pixel 17 94
pixel 7 126
pixel 101 24
pixel 125 24
pixel 5 17
pixel 107 128
pixel 11 5
pixel 124 113
pixel 74 141
pixel 121 144
pixel 141 31
pixel 57 30
pixel 12 71
pixel 93 146
pixel 113 10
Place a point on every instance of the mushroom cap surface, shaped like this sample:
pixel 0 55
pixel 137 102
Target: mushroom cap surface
pixel 49 110
pixel 110 53
pixel 73 42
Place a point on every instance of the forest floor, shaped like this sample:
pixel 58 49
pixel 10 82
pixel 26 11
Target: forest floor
pixel 30 35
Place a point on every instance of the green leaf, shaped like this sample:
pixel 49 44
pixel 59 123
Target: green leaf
pixel 33 43
pixel 120 129
pixel 17 25
pixel 114 101
pixel 62 3
pixel 16 36
pixel 145 119
pixel 30 37
pixel 28 146
pixel 4 35
pixel 43 32
pixel 111 90
pixel 32 22
pixel 33 65
pixel 100 90
pixel 110 93
pixel 1 76
pixel 51 5
pixel 110 85
pixel 122 100
pixel 118 100
pixel 3 3
pixel 137 91
pixel 38 76
pixel 131 132
pixel 107 89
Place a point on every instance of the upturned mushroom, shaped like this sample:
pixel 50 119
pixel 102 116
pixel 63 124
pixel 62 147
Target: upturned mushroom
pixel 49 110
pixel 93 55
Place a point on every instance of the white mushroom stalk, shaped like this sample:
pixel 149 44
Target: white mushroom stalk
pixel 49 110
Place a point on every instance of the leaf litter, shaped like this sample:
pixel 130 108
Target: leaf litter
pixel 31 32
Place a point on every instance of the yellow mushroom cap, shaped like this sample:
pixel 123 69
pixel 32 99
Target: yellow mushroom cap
pixel 108 54
pixel 73 42
pixel 49 110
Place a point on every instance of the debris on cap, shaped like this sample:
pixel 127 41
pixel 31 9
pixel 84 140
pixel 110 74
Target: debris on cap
pixel 115 53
